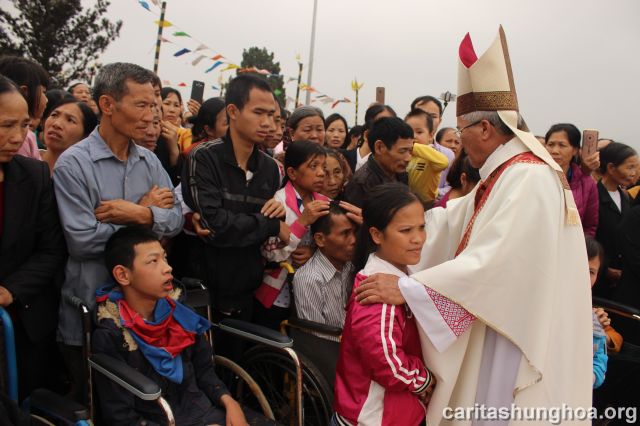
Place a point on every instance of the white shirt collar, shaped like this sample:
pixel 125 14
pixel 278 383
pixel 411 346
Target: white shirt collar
pixel 500 155
pixel 376 265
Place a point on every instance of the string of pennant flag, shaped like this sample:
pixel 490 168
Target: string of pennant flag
pixel 222 64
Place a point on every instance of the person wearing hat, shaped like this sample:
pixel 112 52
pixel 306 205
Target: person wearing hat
pixel 502 296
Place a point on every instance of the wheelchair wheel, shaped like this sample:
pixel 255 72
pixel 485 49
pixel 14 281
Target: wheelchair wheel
pixel 242 386
pixel 275 371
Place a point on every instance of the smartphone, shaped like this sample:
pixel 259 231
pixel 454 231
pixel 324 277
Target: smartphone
pixel 589 142
pixel 380 95
pixel 197 91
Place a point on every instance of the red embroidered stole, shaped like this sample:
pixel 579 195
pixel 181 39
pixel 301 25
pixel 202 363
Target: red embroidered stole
pixel 483 192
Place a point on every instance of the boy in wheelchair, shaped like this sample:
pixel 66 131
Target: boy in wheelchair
pixel 141 322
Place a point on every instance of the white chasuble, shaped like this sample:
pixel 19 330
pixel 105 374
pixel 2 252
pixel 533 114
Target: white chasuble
pixel 508 319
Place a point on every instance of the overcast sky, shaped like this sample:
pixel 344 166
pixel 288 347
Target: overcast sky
pixel 573 61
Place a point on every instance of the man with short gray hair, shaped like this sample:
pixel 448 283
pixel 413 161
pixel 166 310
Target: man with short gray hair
pixel 105 182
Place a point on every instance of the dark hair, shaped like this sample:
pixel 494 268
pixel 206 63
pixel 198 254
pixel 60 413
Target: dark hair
pixel 370 116
pixel 441 132
pixel 325 223
pixel 54 98
pixel 615 153
pixel 420 113
pixel 594 249
pixel 388 130
pixel 166 91
pixel 335 117
pixel 120 248
pixel 373 111
pixel 573 134
pixel 89 118
pixel 355 132
pixel 25 72
pixel 206 116
pixel 239 88
pixel 427 99
pixel 298 153
pixel 155 81
pixel 112 79
pixel 461 164
pixel 7 86
pixel 377 212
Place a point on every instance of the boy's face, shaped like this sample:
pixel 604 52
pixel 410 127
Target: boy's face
pixel 340 243
pixel 150 277
pixel 420 130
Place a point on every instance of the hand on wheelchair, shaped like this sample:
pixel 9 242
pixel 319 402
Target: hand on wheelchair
pixel 235 416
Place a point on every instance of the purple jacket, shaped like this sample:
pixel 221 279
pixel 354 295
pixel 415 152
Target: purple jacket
pixel 585 192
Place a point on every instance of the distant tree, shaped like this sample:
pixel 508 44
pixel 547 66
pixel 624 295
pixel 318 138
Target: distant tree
pixel 61 35
pixel 263 60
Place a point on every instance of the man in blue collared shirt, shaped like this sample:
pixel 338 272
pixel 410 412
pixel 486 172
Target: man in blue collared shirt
pixel 105 182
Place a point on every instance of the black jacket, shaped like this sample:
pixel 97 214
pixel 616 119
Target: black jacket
pixel 216 187
pixel 609 235
pixel 32 246
pixel 367 177
pixel 628 291
pixel 193 401
pixel 352 157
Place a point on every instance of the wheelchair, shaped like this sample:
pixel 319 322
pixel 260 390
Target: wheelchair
pixel 197 297
pixel 276 372
pixel 42 407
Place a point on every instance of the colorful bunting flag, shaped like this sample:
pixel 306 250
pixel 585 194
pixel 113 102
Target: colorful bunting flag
pixel 155 2
pixel 144 4
pixel 215 87
pixel 215 58
pixel 230 67
pixel 201 47
pixel 165 23
pixel 214 66
pixel 181 34
pixel 182 84
pixel 197 60
pixel 181 52
pixel 164 40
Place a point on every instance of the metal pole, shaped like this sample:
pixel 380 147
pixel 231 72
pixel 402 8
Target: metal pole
pixel 313 42
pixel 298 88
pixel 159 40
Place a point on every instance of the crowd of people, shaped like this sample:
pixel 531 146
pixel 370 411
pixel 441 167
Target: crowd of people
pixel 110 190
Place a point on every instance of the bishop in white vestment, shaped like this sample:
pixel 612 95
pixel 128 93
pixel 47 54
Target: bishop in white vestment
pixel 502 294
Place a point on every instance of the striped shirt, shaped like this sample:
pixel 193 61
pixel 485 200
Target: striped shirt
pixel 321 291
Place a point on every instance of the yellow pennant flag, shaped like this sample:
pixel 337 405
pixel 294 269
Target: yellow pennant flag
pixel 355 86
pixel 165 23
pixel 230 67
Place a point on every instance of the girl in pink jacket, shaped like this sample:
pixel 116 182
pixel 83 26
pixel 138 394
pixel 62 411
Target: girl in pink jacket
pixel 381 378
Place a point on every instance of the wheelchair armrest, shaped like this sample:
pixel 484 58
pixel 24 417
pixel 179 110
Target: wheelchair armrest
pixel 126 376
pixel 57 406
pixel 317 327
pixel 192 283
pixel 618 308
pixel 255 333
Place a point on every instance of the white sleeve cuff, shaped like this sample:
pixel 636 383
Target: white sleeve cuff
pixel 426 313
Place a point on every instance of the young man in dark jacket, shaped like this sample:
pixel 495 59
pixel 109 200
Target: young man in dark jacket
pixel 230 183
